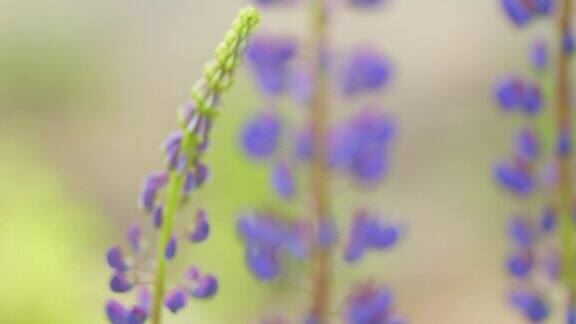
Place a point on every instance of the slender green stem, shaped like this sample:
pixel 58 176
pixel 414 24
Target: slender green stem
pixel 319 174
pixel 564 129
pixel 173 195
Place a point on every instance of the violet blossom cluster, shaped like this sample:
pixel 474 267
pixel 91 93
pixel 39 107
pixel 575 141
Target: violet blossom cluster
pixel 359 151
pixel 165 200
pixel 530 175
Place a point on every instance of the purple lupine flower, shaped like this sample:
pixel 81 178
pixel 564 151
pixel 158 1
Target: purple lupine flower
pixel 365 71
pixel 157 216
pixel 368 232
pixel 369 304
pixel 283 180
pixel 186 112
pixel 369 136
pixel 532 99
pixel 530 304
pixel 115 258
pixel 509 92
pixel 189 183
pixel 192 273
pixel 263 262
pixel 514 178
pixel 202 174
pixel 206 288
pixel 520 263
pixel 521 232
pixel 116 312
pixel 527 144
pixel 261 135
pixel 172 148
pixel 175 300
pixel 201 227
pixel 261 231
pixel 548 219
pixel 119 282
pixel 150 186
pixel 517 11
pixel 134 237
pixel 137 315
pixel 539 55
pixel 171 248
pixel 269 57
pixel 164 194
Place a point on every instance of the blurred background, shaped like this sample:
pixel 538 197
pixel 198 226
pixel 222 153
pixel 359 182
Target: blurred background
pixel 88 90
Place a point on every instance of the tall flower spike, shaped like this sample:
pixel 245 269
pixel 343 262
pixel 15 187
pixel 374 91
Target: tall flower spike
pixel 542 246
pixel 355 144
pixel 164 193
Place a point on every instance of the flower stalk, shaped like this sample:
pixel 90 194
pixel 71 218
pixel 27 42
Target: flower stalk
pixel 319 176
pixel 165 193
pixel 564 156
pixel 218 77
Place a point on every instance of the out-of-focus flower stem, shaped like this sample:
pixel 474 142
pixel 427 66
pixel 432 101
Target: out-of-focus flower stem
pixel 319 179
pixel 564 130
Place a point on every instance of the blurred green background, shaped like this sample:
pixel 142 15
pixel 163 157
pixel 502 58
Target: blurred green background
pixel 88 90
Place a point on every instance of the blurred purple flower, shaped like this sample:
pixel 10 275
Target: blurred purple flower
pixel 269 57
pixel 365 71
pixel 261 135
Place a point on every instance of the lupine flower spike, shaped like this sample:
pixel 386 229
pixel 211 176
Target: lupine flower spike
pixel 543 254
pixel 164 194
pixel 356 149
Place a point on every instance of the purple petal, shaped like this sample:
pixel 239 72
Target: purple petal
pixel 171 248
pixel 261 135
pixel 201 228
pixel 150 187
pixel 364 72
pixel 192 273
pixel 134 237
pixel 206 288
pixel 172 148
pixel 119 283
pixel 202 174
pixel 263 263
pixel 115 258
pixel 157 214
pixel 116 313
pixel 175 300
pixel 137 315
